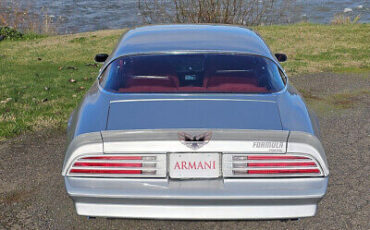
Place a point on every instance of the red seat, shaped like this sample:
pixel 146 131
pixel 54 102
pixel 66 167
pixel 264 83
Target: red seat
pixel 237 88
pixel 192 89
pixel 142 84
pixel 239 83
pixel 165 81
pixel 148 89
pixel 218 80
pixel 144 77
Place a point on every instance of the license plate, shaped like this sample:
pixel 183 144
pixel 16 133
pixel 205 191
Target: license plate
pixel 194 165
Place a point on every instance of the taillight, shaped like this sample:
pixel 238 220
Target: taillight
pixel 251 165
pixel 120 166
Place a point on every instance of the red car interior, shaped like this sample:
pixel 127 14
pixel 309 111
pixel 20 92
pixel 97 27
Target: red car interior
pixel 217 83
pixel 233 83
pixel 174 74
pixel 163 81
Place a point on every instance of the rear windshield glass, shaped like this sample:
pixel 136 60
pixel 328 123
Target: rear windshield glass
pixel 192 73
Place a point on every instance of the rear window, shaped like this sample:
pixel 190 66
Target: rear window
pixel 192 73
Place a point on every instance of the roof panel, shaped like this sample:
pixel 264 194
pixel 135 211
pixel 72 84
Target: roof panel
pixel 191 38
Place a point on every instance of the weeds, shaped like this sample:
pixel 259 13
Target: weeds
pixel 341 19
pixel 241 12
pixel 19 18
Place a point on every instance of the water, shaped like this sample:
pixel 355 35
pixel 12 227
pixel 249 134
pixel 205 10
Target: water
pixel 71 16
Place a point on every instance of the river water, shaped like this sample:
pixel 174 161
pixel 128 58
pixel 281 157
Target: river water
pixel 71 16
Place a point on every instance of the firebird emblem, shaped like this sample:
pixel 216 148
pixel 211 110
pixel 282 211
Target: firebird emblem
pixel 195 142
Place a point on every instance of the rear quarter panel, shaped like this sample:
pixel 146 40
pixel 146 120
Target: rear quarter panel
pixel 294 113
pixel 90 115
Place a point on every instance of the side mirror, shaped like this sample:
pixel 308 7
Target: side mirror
pixel 281 57
pixel 101 57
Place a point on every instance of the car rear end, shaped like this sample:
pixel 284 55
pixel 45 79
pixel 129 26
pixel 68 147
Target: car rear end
pixel 210 174
pixel 194 135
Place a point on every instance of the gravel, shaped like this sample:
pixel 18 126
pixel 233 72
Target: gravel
pixel 32 190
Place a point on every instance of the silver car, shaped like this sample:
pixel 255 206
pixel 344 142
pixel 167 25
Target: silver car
pixel 194 122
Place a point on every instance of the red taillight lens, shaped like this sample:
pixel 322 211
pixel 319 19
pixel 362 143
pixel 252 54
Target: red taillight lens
pixel 114 158
pixel 120 166
pixel 96 171
pixel 283 164
pixel 283 171
pixel 276 157
pixel 108 164
pixel 269 165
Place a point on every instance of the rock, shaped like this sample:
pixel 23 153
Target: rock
pixel 347 10
pixel 72 80
pixel 46 88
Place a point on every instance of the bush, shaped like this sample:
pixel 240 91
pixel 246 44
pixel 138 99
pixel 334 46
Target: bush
pixel 242 12
pixel 10 33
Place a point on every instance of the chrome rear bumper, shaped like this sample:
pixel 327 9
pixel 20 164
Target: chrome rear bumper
pixel 197 199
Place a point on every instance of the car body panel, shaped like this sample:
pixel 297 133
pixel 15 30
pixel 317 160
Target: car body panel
pixel 257 198
pixel 202 199
pixel 293 112
pixel 166 141
pixel 193 113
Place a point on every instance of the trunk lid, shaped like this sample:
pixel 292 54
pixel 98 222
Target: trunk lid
pixel 193 114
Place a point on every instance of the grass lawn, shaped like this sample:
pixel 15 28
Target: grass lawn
pixel 36 91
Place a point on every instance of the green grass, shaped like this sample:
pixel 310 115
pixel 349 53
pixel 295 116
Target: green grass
pixel 35 73
pixel 321 48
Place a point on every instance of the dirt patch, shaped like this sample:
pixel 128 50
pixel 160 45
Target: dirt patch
pixel 331 93
pixel 344 101
pixel 349 100
pixel 15 196
pixel 326 84
pixel 307 94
